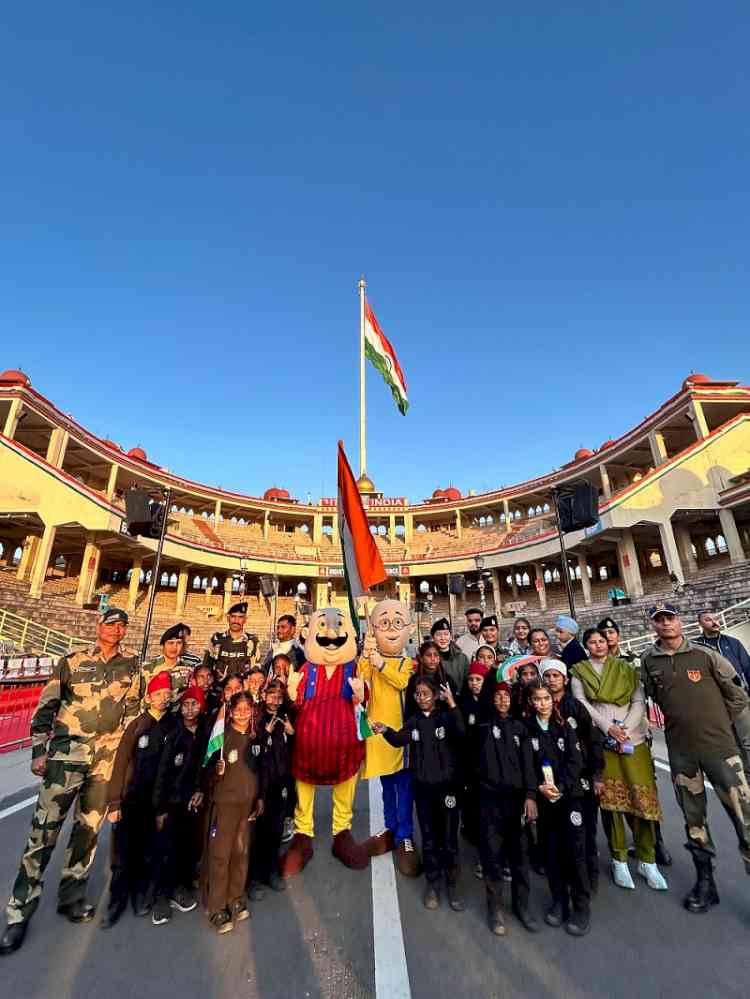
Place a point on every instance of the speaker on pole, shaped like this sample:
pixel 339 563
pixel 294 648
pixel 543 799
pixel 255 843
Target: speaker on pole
pixel 138 512
pixel 267 587
pixel 456 584
pixel 579 507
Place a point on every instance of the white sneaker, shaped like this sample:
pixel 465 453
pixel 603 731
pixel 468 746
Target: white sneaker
pixel 654 877
pixel 621 874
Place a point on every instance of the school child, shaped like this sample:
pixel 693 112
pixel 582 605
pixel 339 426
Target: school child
pixel 434 736
pixel 471 704
pixel 253 683
pixel 280 668
pixel 178 822
pixel 554 672
pixel 130 803
pixel 558 765
pixel 507 799
pixel 203 677
pixel 232 780
pixel 277 738
pixel 429 663
pixel 520 707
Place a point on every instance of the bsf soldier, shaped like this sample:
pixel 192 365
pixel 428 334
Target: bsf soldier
pixel 699 692
pixel 75 732
pixel 232 651
pixel 170 661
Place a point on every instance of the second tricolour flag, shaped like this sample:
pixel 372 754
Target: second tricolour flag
pixel 383 356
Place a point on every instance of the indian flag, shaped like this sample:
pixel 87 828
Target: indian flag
pixel 362 723
pixel 383 356
pixel 363 566
pixel 216 741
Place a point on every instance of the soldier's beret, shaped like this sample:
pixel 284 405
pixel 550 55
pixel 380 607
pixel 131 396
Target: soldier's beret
pixel 442 624
pixel 608 622
pixel 176 631
pixel 112 615
pixel 489 622
pixel 240 608
pixel 186 628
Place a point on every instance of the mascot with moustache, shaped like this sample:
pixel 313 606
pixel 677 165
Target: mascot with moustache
pixel 327 751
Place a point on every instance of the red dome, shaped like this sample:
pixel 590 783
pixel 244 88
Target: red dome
pixel 583 452
pixel 606 444
pixel 276 494
pixel 14 377
pixel 138 453
pixel 696 378
pixel 109 443
pixel 452 493
pixel 439 494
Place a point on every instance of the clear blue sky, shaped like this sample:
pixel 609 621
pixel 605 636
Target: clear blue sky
pixel 550 207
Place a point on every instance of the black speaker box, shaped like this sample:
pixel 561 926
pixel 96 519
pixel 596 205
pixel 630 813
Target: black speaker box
pixel 456 585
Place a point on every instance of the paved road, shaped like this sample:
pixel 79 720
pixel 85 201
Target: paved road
pixel 316 940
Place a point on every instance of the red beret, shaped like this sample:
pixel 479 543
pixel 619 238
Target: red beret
pixel 502 685
pixel 196 694
pixel 162 681
pixel 478 669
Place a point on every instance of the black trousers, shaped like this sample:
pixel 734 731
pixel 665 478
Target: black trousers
pixel 268 830
pixel 501 842
pixel 563 841
pixel 590 813
pixel 132 852
pixel 438 815
pixel 470 811
pixel 178 851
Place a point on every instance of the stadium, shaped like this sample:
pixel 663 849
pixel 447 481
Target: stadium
pixel 674 515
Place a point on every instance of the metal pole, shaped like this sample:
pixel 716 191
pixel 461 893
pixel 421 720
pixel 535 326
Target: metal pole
pixel 362 416
pixel 155 576
pixel 564 556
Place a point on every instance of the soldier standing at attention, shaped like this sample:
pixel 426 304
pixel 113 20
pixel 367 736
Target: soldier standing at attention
pixel 170 661
pixel 698 690
pixel 232 651
pixel 75 732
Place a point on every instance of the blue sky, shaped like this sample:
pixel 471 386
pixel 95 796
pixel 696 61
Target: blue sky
pixel 550 207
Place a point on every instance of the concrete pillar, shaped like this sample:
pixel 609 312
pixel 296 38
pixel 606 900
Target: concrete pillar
pixel 335 530
pixel 583 565
pixel 92 554
pixel 11 420
pixel 606 484
pixel 506 511
pixel 135 580
pixel 630 571
pixel 699 420
pixel 513 583
pixel 669 545
pixel 41 561
pixel 684 547
pixel 317 531
pixel 497 593
pixel 392 528
pixel 731 535
pixel 265 523
pixel 404 592
pixel 182 588
pixel 458 523
pixel 217 514
pixel 227 593
pixel 408 527
pixel 321 595
pixel 541 589
pixel 658 447
pixel 30 545
pixel 112 481
pixel 58 442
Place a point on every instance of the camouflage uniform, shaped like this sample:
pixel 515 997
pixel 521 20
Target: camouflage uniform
pixel 697 690
pixel 180 676
pixel 226 655
pixel 82 714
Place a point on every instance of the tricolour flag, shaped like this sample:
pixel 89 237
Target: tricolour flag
pixel 363 566
pixel 383 356
pixel 362 722
pixel 216 741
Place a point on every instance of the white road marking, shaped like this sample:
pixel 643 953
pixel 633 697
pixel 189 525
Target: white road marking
pixel 391 972
pixel 665 766
pixel 12 809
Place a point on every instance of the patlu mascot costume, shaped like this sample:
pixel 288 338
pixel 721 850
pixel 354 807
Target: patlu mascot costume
pixel 327 691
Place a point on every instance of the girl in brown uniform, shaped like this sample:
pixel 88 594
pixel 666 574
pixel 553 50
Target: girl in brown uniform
pixel 235 800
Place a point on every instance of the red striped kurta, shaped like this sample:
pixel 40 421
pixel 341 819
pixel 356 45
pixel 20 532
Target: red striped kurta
pixel 326 747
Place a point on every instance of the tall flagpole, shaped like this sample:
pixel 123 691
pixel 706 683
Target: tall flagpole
pixel 362 412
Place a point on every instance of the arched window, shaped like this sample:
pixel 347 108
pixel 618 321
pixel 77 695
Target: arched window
pixel 572 572
pixel 164 581
pixel 693 550
pixel 421 528
pixel 327 530
pixel 190 512
pixel 235 585
pixel 205 515
pixel 173 579
pixel 577 572
pixel 530 511
pixel 400 530
pixel 525 580
pixel 603 572
pixel 509 580
pixel 517 515
pixel 490 519
pixel 373 528
pixel 214 582
pixel 60 562
pixel 654 560
pixel 519 579
pixel 539 511
pixel 197 583
pixel 148 577
pixel 502 518
pixel 143 576
pixel 233 520
pixel 17 556
pixel 128 574
pixel 482 521
pixel 545 508
pixel 721 544
pixel 710 547
pixel 556 575
pixel 305 529
pixel 547 576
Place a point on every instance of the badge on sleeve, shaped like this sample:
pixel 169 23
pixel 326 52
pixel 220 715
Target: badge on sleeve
pixel 496 731
pixel 471 719
pixel 256 750
pixel 516 740
pixel 575 818
pixel 415 735
pixel 178 759
pixel 143 742
pixel 440 732
pixel 585 784
pixel 694 675
pixel 450 801
pixel 233 756
pixel 561 744
pixel 284 793
pixel 573 723
pixel 535 745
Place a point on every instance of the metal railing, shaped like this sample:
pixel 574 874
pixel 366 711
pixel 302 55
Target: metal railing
pixel 730 618
pixel 27 636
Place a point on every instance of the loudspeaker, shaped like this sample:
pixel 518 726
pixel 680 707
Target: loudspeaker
pixel 143 515
pixel 578 508
pixel 421 607
pixel 456 585
pixel 267 587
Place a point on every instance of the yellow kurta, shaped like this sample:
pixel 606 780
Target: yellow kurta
pixel 387 688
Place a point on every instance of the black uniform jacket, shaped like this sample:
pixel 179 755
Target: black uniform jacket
pixel 180 762
pixel 137 759
pixel 505 762
pixel 559 747
pixel 434 743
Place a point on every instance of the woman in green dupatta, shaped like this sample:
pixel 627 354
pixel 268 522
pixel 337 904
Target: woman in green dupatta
pixel 610 690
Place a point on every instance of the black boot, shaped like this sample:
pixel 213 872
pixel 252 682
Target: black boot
pixel 115 908
pixel 494 908
pixel 594 879
pixel 78 912
pixel 579 923
pixel 454 895
pixel 663 856
pixel 13 937
pixel 704 893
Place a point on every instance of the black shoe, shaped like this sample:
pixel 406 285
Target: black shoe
pixel 704 893
pixel 183 900
pixel 526 920
pixel 579 924
pixel 141 905
pixel 257 892
pixel 276 883
pixel 554 916
pixel 222 922
pixel 13 937
pixel 161 912
pixel 239 911
pixel 663 856
pixel 112 914
pixel 454 897
pixel 78 912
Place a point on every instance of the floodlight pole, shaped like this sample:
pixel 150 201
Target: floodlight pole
pixel 155 576
pixel 564 555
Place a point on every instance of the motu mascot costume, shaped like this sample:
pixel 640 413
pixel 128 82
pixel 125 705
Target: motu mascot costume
pixel 326 691
pixel 386 671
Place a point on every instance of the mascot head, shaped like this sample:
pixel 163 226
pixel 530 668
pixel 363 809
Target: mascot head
pixel 330 638
pixel 392 624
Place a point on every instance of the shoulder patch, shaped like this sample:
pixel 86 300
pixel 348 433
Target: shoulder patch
pixel 572 723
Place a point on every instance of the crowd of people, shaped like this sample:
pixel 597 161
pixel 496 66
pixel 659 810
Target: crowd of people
pixel 518 743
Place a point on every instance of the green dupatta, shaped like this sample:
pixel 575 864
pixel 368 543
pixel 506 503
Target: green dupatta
pixel 616 685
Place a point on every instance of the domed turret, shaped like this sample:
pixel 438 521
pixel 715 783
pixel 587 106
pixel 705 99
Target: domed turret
pixel 695 379
pixel 112 444
pixel 606 444
pixel 137 454
pixel 439 494
pixel 14 377
pixel 365 485
pixel 583 452
pixel 451 493
pixel 275 493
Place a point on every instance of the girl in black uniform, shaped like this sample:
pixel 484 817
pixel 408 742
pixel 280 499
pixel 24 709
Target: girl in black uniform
pixel 471 703
pixel 434 736
pixel 507 798
pixel 430 664
pixel 558 763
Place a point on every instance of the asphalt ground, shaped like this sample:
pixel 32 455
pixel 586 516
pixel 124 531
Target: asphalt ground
pixel 316 939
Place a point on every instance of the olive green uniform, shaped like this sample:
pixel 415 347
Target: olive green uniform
pixel 696 689
pixel 180 676
pixel 78 724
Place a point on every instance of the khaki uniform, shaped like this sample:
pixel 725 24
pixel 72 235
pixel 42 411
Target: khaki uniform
pixel 78 724
pixel 180 676
pixel 696 689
